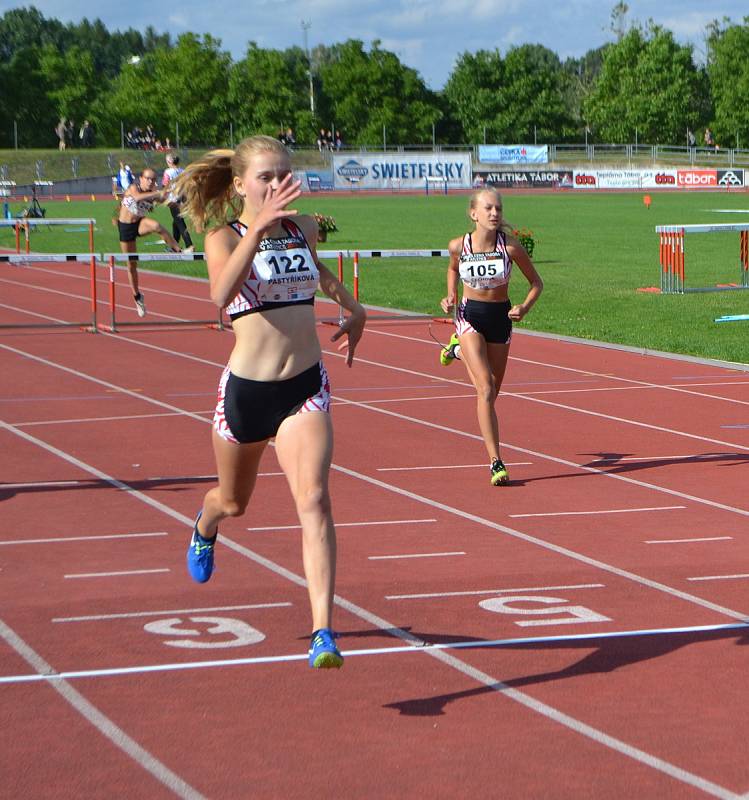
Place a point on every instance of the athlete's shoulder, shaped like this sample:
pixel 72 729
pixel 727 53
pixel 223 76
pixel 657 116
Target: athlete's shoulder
pixel 456 245
pixel 307 225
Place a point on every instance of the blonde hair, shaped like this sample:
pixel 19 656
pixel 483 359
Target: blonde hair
pixel 474 198
pixel 207 184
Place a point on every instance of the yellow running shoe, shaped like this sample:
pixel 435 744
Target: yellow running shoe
pixel 447 354
pixel 499 473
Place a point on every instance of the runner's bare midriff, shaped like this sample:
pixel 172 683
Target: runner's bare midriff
pixel 276 344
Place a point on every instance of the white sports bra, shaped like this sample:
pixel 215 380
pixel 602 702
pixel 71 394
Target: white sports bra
pixel 138 207
pixel 485 270
pixel 283 273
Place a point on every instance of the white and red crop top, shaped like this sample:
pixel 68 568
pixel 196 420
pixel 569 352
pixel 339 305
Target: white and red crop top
pixel 137 207
pixel 485 270
pixel 283 273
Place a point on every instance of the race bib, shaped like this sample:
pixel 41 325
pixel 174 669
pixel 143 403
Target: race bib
pixel 484 270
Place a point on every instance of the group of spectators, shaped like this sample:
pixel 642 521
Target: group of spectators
pixel 287 137
pixel 327 140
pixel 139 139
pixel 68 135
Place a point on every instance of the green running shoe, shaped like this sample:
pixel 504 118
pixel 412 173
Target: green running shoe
pixel 499 472
pixel 447 354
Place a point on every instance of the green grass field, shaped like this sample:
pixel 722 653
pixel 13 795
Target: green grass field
pixel 593 251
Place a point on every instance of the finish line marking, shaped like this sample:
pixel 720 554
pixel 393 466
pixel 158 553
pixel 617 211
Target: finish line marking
pixel 375 651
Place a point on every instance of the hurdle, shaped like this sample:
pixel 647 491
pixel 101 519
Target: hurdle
pixel 27 223
pixel 437 180
pixel 357 255
pixel 23 259
pixel 672 256
pixel 111 260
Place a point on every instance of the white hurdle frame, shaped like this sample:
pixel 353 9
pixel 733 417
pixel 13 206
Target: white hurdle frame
pixel 27 223
pixel 672 255
pixel 112 258
pixel 357 254
pixel 31 258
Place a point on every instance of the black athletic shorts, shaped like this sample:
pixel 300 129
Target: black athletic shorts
pixel 252 411
pixel 488 319
pixel 128 230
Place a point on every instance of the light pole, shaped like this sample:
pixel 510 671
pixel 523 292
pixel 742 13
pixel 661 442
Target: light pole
pixel 305 27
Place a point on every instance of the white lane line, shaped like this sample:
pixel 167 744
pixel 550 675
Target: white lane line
pixel 719 577
pixel 735 426
pixel 419 399
pixel 489 681
pixel 82 420
pixel 565 462
pixel 696 539
pixel 559 367
pixel 97 719
pixel 114 574
pixel 451 466
pixel 136 614
pixel 427 595
pixel 347 524
pixel 602 511
pixel 53 539
pixel 416 555
pixel 419 646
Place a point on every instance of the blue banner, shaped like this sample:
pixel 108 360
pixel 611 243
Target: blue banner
pixel 514 153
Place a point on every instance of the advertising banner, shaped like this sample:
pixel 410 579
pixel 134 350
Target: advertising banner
pixel 731 177
pixel 405 170
pixel 524 179
pixel 658 178
pixel 697 178
pixel 514 153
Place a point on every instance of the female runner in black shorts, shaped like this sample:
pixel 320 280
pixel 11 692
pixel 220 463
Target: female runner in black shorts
pixel 483 261
pixel 132 222
pixel 264 270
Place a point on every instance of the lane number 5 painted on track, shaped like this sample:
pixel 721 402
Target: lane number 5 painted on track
pixel 564 614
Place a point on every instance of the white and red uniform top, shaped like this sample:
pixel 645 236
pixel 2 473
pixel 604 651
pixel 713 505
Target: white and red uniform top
pixel 137 207
pixel 485 270
pixel 283 273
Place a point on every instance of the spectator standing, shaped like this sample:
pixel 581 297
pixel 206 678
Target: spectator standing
pixel 174 201
pixel 86 135
pixel 61 132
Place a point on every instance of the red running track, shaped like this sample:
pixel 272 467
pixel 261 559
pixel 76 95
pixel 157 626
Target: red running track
pixel 579 633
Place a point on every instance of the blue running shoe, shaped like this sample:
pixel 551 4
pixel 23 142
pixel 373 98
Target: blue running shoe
pixel 200 555
pixel 323 654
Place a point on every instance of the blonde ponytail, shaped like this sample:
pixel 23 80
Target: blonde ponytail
pixel 207 184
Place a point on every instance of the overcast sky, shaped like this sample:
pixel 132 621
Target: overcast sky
pixel 427 35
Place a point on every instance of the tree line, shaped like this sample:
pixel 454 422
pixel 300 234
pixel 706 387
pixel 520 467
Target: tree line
pixel 645 85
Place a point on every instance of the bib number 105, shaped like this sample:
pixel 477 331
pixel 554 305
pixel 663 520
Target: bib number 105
pixel 484 269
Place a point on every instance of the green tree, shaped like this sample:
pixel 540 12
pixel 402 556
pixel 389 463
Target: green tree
pixel 366 92
pixel 473 94
pixel 24 100
pixel 181 86
pixel 728 71
pixel 70 81
pixel 509 100
pixel 268 91
pixel 649 87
